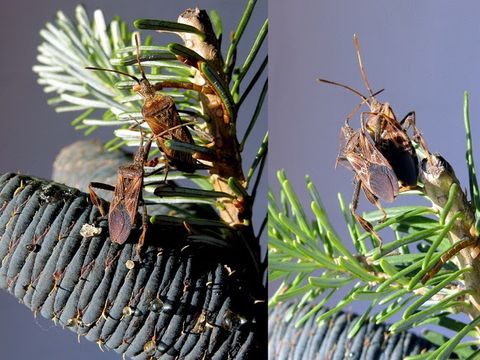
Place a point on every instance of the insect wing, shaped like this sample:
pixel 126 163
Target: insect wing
pixel 343 161
pixel 382 182
pixel 371 167
pixel 123 208
pixel 155 113
pixel 182 160
pixel 133 190
pixel 161 115
pixel 119 223
pixel 347 140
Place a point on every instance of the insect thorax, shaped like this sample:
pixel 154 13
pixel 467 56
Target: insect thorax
pixel 145 89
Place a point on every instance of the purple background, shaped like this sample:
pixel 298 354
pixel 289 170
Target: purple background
pixel 32 134
pixel 424 53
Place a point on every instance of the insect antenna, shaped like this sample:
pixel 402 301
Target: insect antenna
pixel 349 88
pixel 114 71
pixel 137 47
pixel 360 63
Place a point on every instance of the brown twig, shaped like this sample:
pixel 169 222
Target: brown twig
pixel 438 177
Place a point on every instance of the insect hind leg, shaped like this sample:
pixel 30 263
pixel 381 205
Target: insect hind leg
pixel 374 200
pixel 367 226
pixel 96 200
pixel 141 239
pixel 409 120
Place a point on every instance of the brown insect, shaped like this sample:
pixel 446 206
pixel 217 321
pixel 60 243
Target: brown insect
pixel 381 153
pixel 389 135
pixel 373 173
pixel 161 115
pixel 127 194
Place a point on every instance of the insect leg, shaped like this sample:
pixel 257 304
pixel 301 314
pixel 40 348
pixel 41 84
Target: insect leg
pixel 367 226
pixel 156 171
pixel 141 239
pixel 101 186
pixel 374 200
pixel 137 123
pixel 96 200
pixel 409 120
pixel 183 85
pixel 167 169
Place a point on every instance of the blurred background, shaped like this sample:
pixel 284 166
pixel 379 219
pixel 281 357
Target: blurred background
pixel 32 134
pixel 425 54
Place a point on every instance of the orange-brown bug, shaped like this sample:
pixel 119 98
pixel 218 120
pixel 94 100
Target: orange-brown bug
pixel 373 173
pixel 388 134
pixel 390 137
pixel 161 115
pixel 381 153
pixel 126 198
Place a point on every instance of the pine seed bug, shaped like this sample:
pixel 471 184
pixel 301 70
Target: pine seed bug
pixel 126 198
pixel 389 135
pixel 381 154
pixel 161 115
pixel 391 139
pixel 373 173
pixel 202 52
